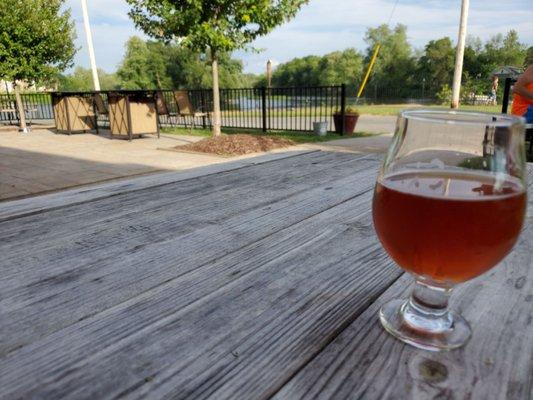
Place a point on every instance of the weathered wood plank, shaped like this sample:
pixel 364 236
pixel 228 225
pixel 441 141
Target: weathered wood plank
pixel 17 208
pixel 112 226
pixel 36 304
pixel 213 320
pixel 187 204
pixel 278 302
pixel 497 363
pixel 173 193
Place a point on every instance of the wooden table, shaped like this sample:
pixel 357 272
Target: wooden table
pixel 261 278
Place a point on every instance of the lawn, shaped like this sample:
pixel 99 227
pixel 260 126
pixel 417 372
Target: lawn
pixel 297 137
pixel 394 109
pixel 365 109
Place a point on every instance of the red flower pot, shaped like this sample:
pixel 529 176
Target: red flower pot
pixel 350 120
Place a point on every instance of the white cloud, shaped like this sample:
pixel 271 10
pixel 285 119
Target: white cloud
pixel 323 26
pixel 111 27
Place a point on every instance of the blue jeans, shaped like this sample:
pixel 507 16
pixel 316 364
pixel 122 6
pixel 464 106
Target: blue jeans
pixel 529 115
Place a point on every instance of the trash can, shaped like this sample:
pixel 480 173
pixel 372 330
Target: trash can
pixel 73 112
pixel 132 114
pixel 320 128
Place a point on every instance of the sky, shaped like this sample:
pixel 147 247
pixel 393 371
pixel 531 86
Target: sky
pixel 322 26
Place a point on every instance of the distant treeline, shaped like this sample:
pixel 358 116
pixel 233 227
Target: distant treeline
pixel 401 71
pixel 151 65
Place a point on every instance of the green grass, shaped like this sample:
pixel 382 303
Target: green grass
pixel 394 109
pixel 364 109
pixel 297 137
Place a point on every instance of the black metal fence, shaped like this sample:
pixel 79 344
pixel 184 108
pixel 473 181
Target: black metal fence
pixel 37 106
pixel 291 108
pixel 287 108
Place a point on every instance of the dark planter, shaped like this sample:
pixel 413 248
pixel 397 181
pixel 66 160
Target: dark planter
pixel 350 120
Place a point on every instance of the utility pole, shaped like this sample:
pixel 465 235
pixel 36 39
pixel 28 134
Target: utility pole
pixel 88 35
pixel 459 55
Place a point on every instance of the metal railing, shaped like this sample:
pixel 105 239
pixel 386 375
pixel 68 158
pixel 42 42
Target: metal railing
pixel 266 109
pixel 37 106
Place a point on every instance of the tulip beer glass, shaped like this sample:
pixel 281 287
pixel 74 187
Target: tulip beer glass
pixel 448 205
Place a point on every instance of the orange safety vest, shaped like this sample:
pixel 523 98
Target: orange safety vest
pixel 520 103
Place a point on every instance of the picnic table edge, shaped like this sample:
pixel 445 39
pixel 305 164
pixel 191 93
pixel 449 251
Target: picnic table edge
pixel 11 209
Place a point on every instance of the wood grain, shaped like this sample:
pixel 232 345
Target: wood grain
pixel 252 282
pixel 34 205
pixel 123 258
pixel 276 303
pixel 497 363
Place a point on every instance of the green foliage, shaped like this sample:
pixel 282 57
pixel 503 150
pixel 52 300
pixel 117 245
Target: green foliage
pixel 216 25
pixel 154 64
pixel 298 72
pixel 143 65
pixel 480 60
pixel 36 39
pixel 341 67
pixel 351 110
pixel 331 69
pixel 528 59
pixel 444 95
pixel 297 137
pixel 81 80
pixel 395 64
pixel 504 50
pixel 437 63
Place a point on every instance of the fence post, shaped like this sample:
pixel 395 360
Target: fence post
pixel 204 107
pixel 343 107
pixel 264 108
pixel 506 95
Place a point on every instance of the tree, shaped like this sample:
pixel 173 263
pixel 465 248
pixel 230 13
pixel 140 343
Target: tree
pixel 505 50
pixel 297 72
pixel 144 65
pixel 331 69
pixel 154 64
pixel 80 80
pixel 395 64
pixel 437 63
pixel 341 67
pixel 36 42
pixel 213 26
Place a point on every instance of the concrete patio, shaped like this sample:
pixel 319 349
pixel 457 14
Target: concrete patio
pixel 42 161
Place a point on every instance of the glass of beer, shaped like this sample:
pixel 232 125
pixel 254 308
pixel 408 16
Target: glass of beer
pixel 448 205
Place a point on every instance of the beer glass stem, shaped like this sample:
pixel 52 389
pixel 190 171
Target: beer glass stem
pixel 427 308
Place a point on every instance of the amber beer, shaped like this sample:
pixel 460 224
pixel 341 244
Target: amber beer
pixel 446 225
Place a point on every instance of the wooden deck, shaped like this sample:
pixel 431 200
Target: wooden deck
pixel 256 279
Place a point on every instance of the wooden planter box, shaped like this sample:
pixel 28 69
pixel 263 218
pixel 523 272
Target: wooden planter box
pixel 132 114
pixel 73 112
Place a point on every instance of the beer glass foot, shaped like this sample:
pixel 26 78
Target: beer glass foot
pixel 429 331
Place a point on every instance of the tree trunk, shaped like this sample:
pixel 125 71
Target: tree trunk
pixel 20 108
pixel 216 95
pixel 158 80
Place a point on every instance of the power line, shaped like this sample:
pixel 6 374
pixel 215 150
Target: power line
pixel 392 12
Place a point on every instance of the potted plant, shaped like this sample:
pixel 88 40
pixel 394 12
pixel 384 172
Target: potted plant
pixel 351 116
